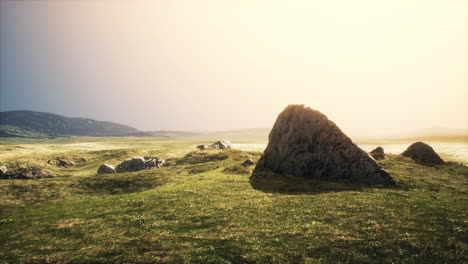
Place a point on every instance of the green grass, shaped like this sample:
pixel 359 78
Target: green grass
pixel 206 208
pixel 13 131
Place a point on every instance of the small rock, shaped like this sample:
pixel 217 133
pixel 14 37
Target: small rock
pixel 248 162
pixel 106 169
pixel 154 162
pixel 3 172
pixel 378 153
pixel 223 144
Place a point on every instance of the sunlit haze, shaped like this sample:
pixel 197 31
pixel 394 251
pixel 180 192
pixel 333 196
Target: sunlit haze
pixel 373 67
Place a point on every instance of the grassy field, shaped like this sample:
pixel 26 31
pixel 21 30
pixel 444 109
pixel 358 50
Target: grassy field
pixel 204 208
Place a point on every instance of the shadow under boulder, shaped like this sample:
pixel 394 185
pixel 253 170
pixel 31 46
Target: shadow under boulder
pixel 270 182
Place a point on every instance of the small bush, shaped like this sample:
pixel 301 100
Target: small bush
pixel 201 168
pixel 239 169
pixel 203 156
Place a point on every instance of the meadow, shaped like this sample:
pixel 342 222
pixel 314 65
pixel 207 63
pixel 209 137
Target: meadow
pixel 204 207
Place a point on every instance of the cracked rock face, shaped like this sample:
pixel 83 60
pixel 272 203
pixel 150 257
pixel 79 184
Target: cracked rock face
pixel 303 142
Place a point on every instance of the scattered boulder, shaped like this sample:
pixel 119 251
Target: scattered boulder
pixel 304 142
pixel 378 153
pixel 133 164
pixel 248 162
pixel 18 170
pixel 154 162
pixel 423 153
pixel 223 144
pixel 3 171
pixel 106 169
pixel 203 146
pixel 140 163
pixel 66 162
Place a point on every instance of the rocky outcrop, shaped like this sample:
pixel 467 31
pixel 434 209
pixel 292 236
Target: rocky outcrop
pixel 19 171
pixel 223 144
pixel 154 162
pixel 133 164
pixel 248 162
pixel 66 162
pixel 378 153
pixel 423 153
pixel 304 142
pixel 106 169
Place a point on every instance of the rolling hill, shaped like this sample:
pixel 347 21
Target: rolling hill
pixel 32 124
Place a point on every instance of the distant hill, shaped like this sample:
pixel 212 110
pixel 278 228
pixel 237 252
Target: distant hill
pixel 33 124
pixel 434 134
pixel 249 134
pixel 164 134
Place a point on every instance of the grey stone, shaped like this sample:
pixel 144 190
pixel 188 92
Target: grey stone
pixel 3 172
pixel 223 144
pixel 423 153
pixel 154 162
pixel 133 164
pixel 106 169
pixel 305 143
pixel 378 153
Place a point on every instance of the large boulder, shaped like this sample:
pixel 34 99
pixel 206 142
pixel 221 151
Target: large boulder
pixel 133 164
pixel 304 142
pixel 223 144
pixel 106 169
pixel 378 153
pixel 423 153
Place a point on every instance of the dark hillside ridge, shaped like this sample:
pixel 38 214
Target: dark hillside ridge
pixel 32 124
pixel 164 134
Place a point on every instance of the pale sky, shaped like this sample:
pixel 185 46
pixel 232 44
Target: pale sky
pixel 373 67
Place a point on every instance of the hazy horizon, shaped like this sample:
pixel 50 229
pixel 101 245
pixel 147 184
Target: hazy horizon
pixel 373 68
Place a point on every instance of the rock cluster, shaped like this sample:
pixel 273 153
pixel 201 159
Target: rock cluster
pixel 423 153
pixel 378 153
pixel 304 142
pixel 133 164
pixel 27 172
pixel 223 144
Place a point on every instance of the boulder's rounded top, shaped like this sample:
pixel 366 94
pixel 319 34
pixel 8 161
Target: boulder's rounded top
pixel 304 142
pixel 423 153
